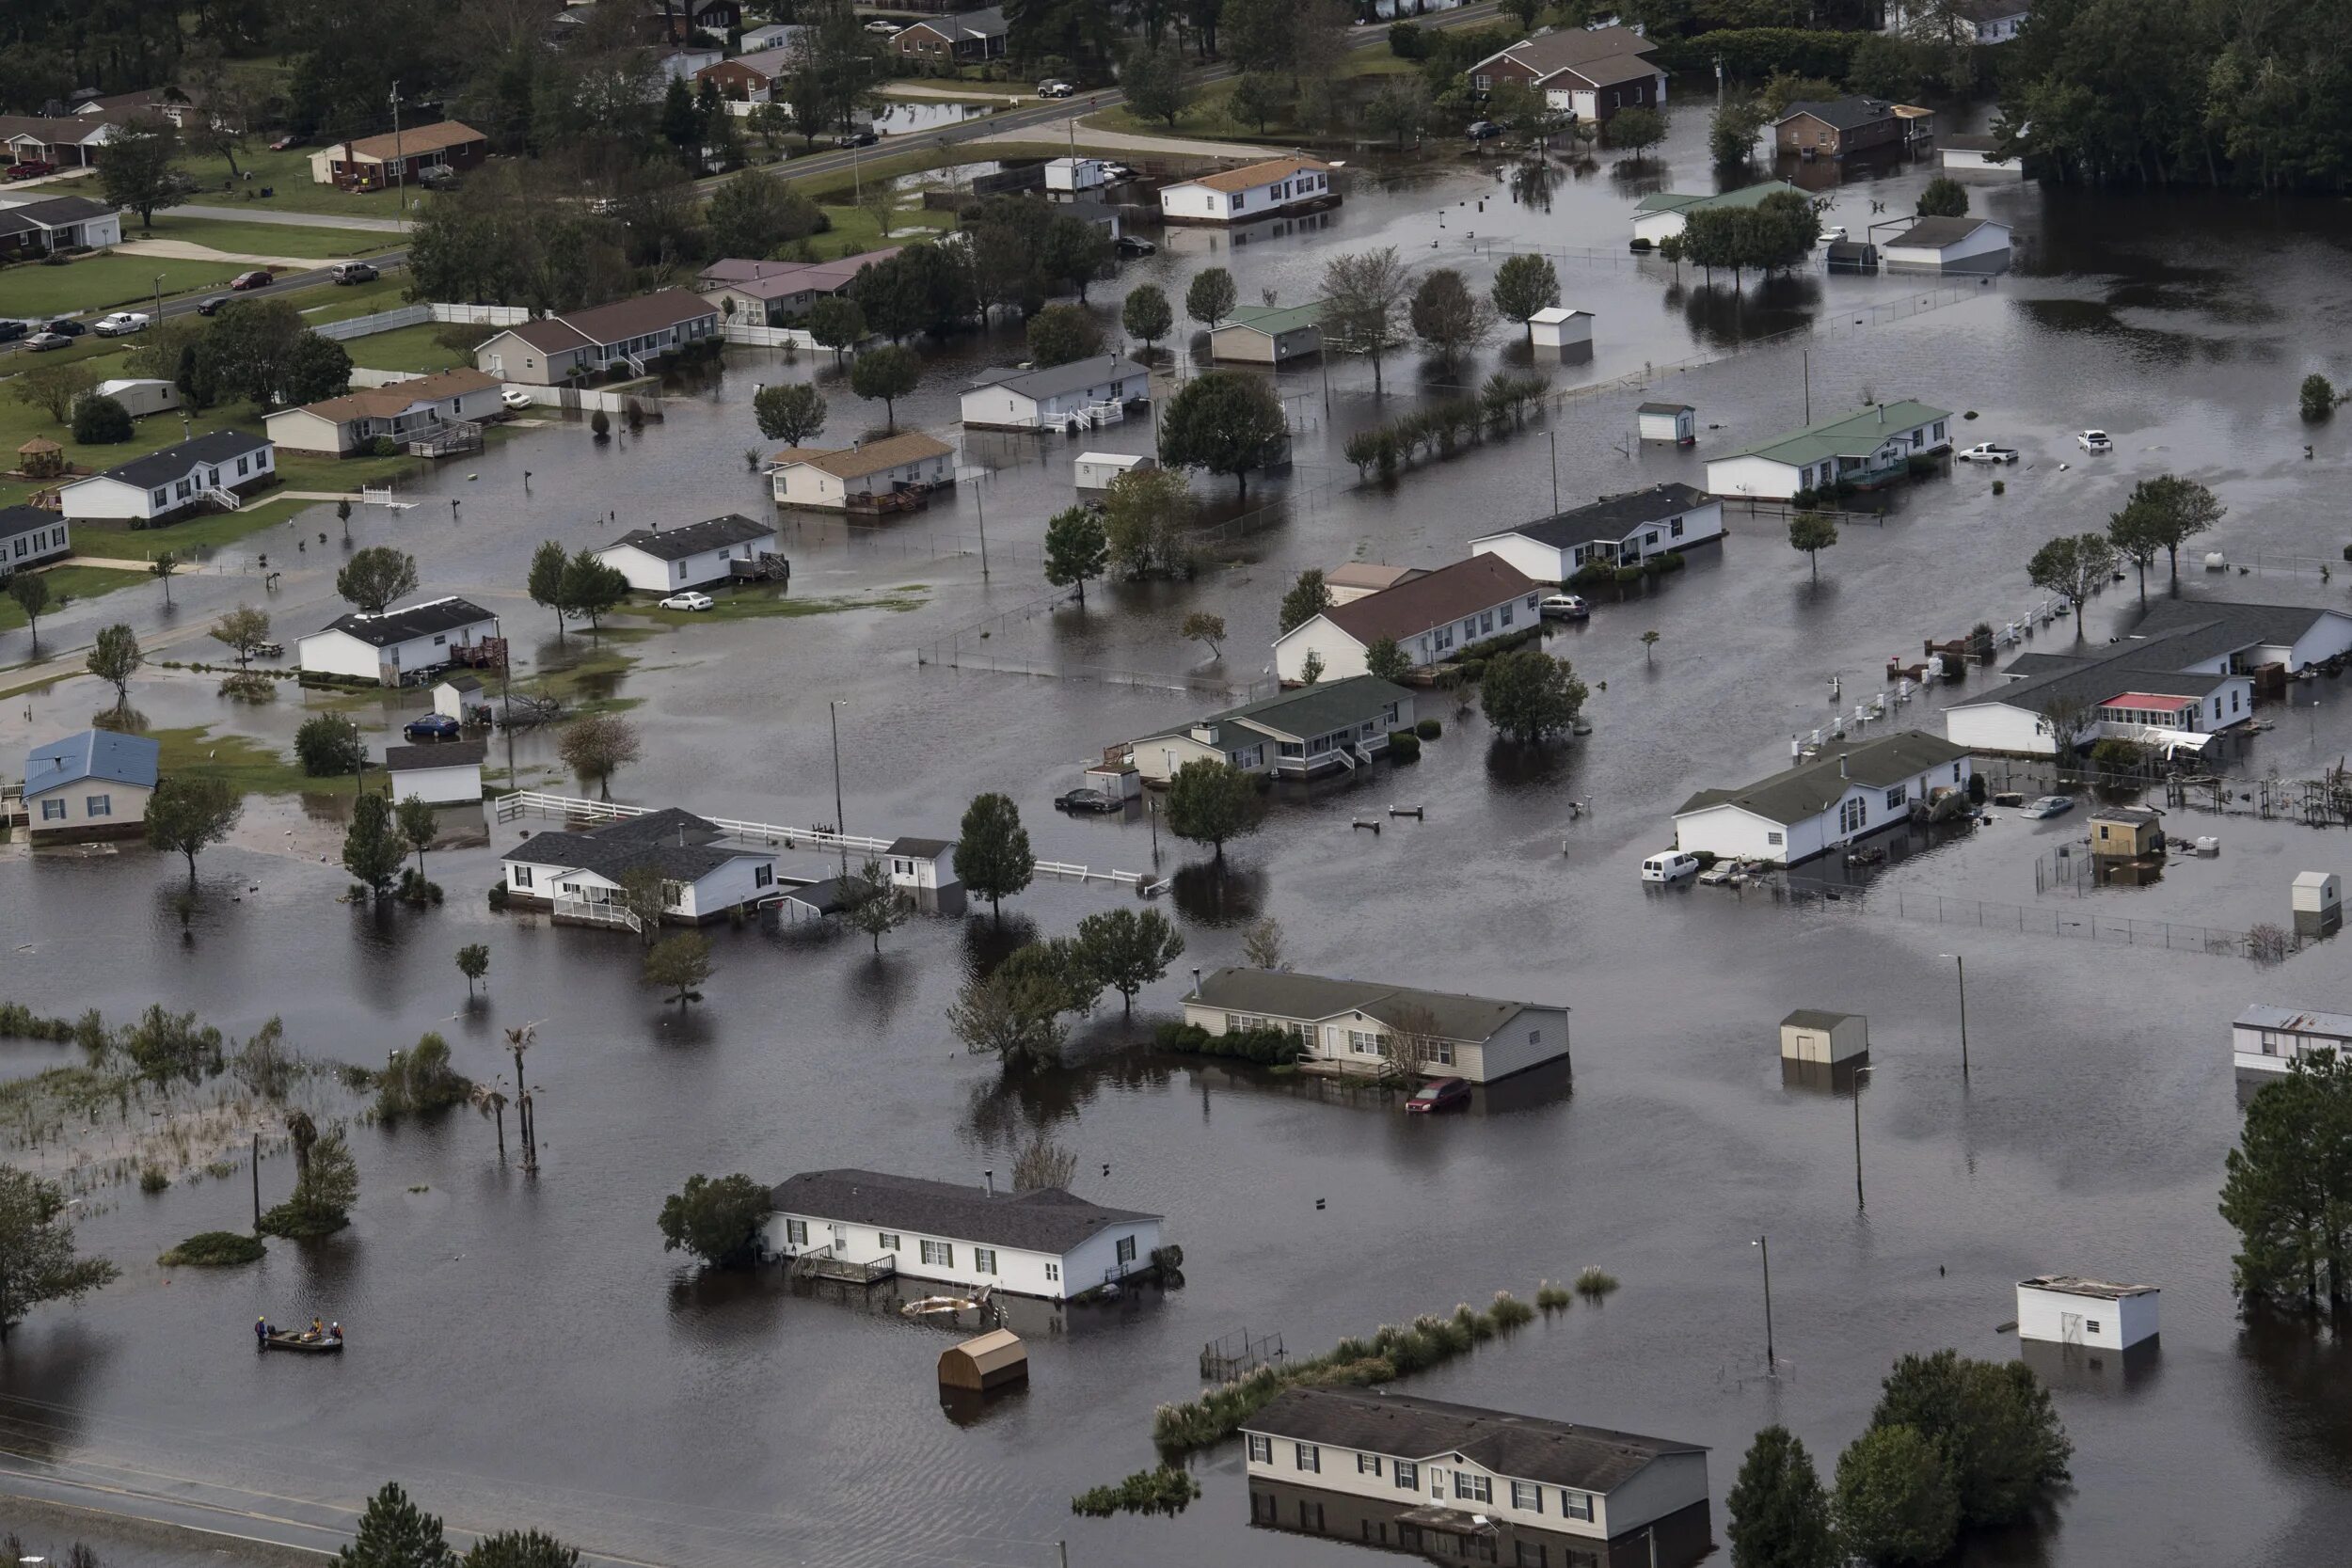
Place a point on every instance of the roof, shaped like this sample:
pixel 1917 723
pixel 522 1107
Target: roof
pixel 1057 379
pixel 2137 816
pixel 711 533
pixel 866 457
pixel 1687 201
pixel 101 756
pixel 401 626
pixel 1613 516
pixel 123 384
pixel 1847 435
pixel 919 848
pixel 1304 712
pixel 25 519
pixel 624 319
pixel 1567 46
pixel 446 754
pixel 1664 408
pixel 412 140
pixel 2075 1284
pixel 1046 1220
pixel 1286 994
pixel 830 896
pixel 1813 787
pixel 1609 71
pixel 999 1347
pixel 774 279
pixel 1274 319
pixel 461 682
pixel 1848 113
pixel 770 62
pixel 55 211
pixel 676 844
pixel 1370 575
pixel 1813 1018
pixel 398 397
pixel 1523 1448
pixel 173 462
pixel 2296 1021
pixel 988 23
pixel 548 335
pixel 1250 176
pixel 1448 594
pixel 2156 660
pixel 1935 233
pixel 1990 11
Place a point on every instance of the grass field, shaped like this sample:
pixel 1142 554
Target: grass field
pixel 856 228
pixel 71 582
pixel 406 348
pixel 760 604
pixel 103 283
pixel 343 301
pixel 1209 116
pixel 249 766
pixel 289 174
pixel 20 421
pixel 270 239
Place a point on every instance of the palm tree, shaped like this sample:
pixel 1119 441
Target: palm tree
pixel 490 1099
pixel 520 1039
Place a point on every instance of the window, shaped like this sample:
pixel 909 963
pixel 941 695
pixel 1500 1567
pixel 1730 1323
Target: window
pixel 1053 1271
pixel 1506 614
pixel 1407 1476
pixel 939 1254
pixel 763 876
pixel 1527 1494
pixel 1368 1464
pixel 1388 716
pixel 157 497
pixel 1481 82
pixel 1531 1553
pixel 1262 1505
pixel 1443 1052
pixel 1852 814
pixel 2090 1325
pixel 1775 838
pixel 1363 1042
pixel 1127 1249
pixel 1310 1457
pixel 53 810
pixel 1472 1489
pixel 1309 1515
pixel 1485 621
pixel 522 876
pixel 1534 1036
pixel 1576 1505
pixel 1260 1450
pixel 1897 795
pixel 796 1232
pixel 984 1260
pixel 1955 773
pixel 886 1240
pixel 98 805
pixel 1674 529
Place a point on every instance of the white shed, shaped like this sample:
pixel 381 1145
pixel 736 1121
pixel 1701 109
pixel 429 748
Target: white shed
pixel 1677 422
pixel 1074 174
pixel 140 396
pixel 2317 892
pixel 2068 1309
pixel 448 773
pixel 1947 245
pixel 925 868
pixel 1808 1036
pixel 459 697
pixel 1557 326
pixel 1095 470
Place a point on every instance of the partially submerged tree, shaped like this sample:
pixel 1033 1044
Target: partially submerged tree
pixel 876 907
pixel 1526 284
pixel 2288 1191
pixel 545 582
pixel 242 630
pixel 792 412
pixel 1262 944
pixel 1812 533
pixel 1309 597
pixel 992 858
pixel 1205 628
pixel 113 658
pixel 1529 696
pixel 371 846
pixel 1385 659
pixel 885 375
pixel 395 1533
pixel 1226 421
pixel 1144 314
pixel 1042 1163
pixel 2072 566
pixel 1447 317
pixel 680 965
pixel 189 813
pixel 38 1262
pixel 1895 1501
pixel 1780 1515
pixel 596 746
pixel 1014 1015
pixel 326 1186
pixel 1364 299
pixel 1076 549
pixel 376 576
pixel 1211 297
pixel 474 962
pixel 1211 802
pixel 1127 951
pixel 1146 513
pixel 718 1219
pixel 30 591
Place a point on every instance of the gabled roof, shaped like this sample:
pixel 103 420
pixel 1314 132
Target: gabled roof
pixel 398 397
pixel 2155 658
pixel 1569 46
pixel 400 626
pixel 445 753
pixel 1612 516
pixel 2296 1021
pixel 1814 1018
pixel 1846 435
pixel 1448 594
pixel 866 457
pixel 1848 113
pixel 1935 233
pixel 414 140
pixel 1302 713
pixel 919 848
pixel 25 519
pixel 1047 1220
pixel 1286 994
pixel 677 845
pixel 772 62
pixel 1522 1447
pixel 102 756
pixel 1057 379
pixel 711 533
pixel 1812 787
pixel 965 29
pixel 624 319
pixel 550 336
pixel 174 462
pixel 1250 176
pixel 1609 71
pixel 1274 319
pixel 1664 408
pixel 775 279
pixel 1370 575
pixel 56 211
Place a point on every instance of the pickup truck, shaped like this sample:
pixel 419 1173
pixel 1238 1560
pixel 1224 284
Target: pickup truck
pixel 1987 452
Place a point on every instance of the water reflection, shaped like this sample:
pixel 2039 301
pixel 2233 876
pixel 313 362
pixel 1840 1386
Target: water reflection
pixel 1516 769
pixel 1008 1107
pixel 1533 182
pixel 1218 893
pixel 1722 315
pixel 1446 1536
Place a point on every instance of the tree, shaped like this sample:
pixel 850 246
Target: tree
pixel 1526 12
pixel 993 855
pixel 1310 672
pixel 328 745
pixel 242 630
pixel 2138 533
pixel 371 848
pixel 1076 549
pixel 527 1548
pixel 474 962
pixel 590 588
pixel 113 658
pixel 101 422
pixel 1636 129
pixel 54 388
pixel 1731 134
pixel 680 965
pixel 792 412
pixel 376 576
pixel 546 583
pixel 1529 696
pixel 754 215
pixel 1945 198
pixel 1895 1500
pixel 1127 951
pixel 1146 513
pixel 414 818
pixel 139 171
pixel 1262 944
pixel 1364 299
pixel 1226 421
pixel 1309 597
pixel 36 1258
pixel 1385 659
pixel 30 590
pixel 1993 1423
pixel 187 814
pixel 596 746
pixel 1650 641
pixel 2178 510
pixel 1153 81
pixel 875 907
pixel 1203 627
pixel 1812 533
pixel 836 322
pixel 2288 1188
pixel 326 1186
pixel 1014 1014
pixel 2072 566
pixel 1211 297
pixel 1524 285
pixel 2318 398
pixel 162 568
pixel 1398 108
pixel 1447 317
pixel 316 368
pixel 1259 98
pixel 718 1219
pixel 887 374
pixel 1042 1163
pixel 251 349
pixel 1780 1515
pixel 1211 802
pixel 1145 314
pixel 394 1533
pixel 1061 334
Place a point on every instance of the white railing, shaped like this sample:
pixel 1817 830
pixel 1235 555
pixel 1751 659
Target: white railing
pixel 227 501
pixel 597 912
pixel 1100 414
pixel 416 316
pixel 762 336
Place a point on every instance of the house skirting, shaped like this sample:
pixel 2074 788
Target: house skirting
pixel 84 833
pixel 532 903
pixel 1288 209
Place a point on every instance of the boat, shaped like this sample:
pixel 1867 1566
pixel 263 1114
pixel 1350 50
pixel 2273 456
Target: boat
pixel 305 1343
pixel 945 1306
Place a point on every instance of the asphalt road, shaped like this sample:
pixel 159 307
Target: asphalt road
pixel 180 305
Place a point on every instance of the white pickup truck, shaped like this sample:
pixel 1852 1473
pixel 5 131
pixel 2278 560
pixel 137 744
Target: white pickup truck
pixel 1987 452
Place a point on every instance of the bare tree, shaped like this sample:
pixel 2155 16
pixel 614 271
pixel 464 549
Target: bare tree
pixel 1414 1048
pixel 1042 1163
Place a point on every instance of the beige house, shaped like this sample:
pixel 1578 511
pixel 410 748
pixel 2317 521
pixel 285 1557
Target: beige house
pixel 839 479
pixel 403 411
pixel 627 334
pixel 1269 334
pixel 1353 1027
pixel 91 785
pixel 1360 580
pixel 1809 1034
pixel 1329 727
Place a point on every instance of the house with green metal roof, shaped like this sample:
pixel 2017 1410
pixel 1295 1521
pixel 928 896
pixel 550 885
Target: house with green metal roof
pixel 1330 727
pixel 1868 448
pixel 1269 334
pixel 1663 213
pixel 1846 791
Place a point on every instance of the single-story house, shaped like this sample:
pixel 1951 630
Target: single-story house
pixel 1621 530
pixel 1663 213
pixel 1348 1026
pixel 1966 151
pixel 1970 21
pixel 775 294
pixel 837 477
pixel 68 141
pixel 924 870
pixel 1590 72
pixel 678 21
pixel 445 773
pixel 771 34
pixel 1677 422
pixel 631 332
pixel 2265 1041
pixel 32 536
pixel 749 78
pixel 680 65
pixel 214 470
pixel 665 559
pixel 1265 189
pixel 961 40
pixel 1428 616
pixel 93 784
pixel 397 644
pixel 2099 1314
pixel 142 395
pixel 2186 673
pixel 1053 398
pixel 1360 579
pixel 373 163
pixel 1834 129
pixel 1100 470
pixel 1044 1242
pixel 1851 789
pixel 1329 727
pixel 1269 334
pixel 401 411
pixel 579 877
pixel 1557 1492
pixel 1947 244
pixel 58 223
pixel 1865 448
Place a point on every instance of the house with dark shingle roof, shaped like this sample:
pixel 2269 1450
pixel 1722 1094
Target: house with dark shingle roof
pixel 1590 72
pixel 1303 733
pixel 665 559
pixel 1001 399
pixel 31 536
pixel 1846 792
pixel 1352 1026
pixel 966 37
pixel 627 332
pixel 1619 531
pixel 212 470
pixel 91 785
pixel 1044 1242
pixel 396 645
pixel 578 878
pixel 1838 127
pixel 58 223
pixel 1428 617
pixel 1944 245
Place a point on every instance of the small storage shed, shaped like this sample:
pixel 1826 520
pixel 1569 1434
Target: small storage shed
pixel 2126 833
pixel 459 697
pixel 1677 423
pixel 1558 327
pixel 444 774
pixel 1121 780
pixel 995 1360
pixel 925 868
pixel 1074 174
pixel 2069 1309
pixel 140 396
pixel 2318 900
pixel 1095 470
pixel 1811 1035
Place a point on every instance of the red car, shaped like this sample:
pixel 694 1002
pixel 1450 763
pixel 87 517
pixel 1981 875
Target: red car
pixel 1438 1093
pixel 258 278
pixel 31 169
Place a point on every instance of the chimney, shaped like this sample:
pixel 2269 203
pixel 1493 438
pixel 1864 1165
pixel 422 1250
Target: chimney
pixel 1841 764
pixel 1196 982
pixel 990 1177
pixel 1882 413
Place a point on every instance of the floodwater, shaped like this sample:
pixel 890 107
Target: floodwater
pixel 523 1352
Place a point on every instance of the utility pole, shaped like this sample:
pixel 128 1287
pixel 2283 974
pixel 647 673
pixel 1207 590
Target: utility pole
pixel 1808 385
pixel 400 168
pixel 1960 968
pixel 840 818
pixel 982 501
pixel 1555 470
pixel 1859 1074
pixel 257 1182
pixel 1771 1362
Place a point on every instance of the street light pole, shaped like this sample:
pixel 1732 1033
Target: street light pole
pixel 840 821
pixel 1555 470
pixel 1859 1074
pixel 1960 968
pixel 1771 1363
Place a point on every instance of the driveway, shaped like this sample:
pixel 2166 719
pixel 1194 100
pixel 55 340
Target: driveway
pixel 294 220
pixel 186 250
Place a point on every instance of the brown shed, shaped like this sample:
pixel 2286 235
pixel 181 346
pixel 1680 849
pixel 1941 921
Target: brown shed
pixel 995 1360
pixel 2127 831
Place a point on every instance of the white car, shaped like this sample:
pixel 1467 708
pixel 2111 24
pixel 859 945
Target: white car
pixel 1672 866
pixel 2048 805
pixel 1564 607
pixel 516 398
pixel 1987 452
pixel 119 323
pixel 2093 440
pixel 1055 90
pixel 883 28
pixel 687 601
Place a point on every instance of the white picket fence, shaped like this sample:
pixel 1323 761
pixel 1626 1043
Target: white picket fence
pixel 417 315
pixel 767 337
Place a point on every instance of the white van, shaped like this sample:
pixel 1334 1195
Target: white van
pixel 1672 866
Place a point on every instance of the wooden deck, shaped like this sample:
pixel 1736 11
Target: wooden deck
pixel 823 1265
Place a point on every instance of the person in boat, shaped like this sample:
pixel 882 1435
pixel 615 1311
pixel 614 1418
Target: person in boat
pixel 318 1329
pixel 260 1331
pixel 335 1332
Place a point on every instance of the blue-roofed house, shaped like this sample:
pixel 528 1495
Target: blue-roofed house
pixel 93 784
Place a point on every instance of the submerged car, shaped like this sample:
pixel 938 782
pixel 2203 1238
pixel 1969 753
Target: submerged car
pixel 2093 440
pixel 2049 805
pixel 1566 607
pixel 1438 1093
pixel 432 726
pixel 1987 452
pixel 1087 800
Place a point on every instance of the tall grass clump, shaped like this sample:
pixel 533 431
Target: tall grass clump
pixel 1596 1284
pixel 1164 1490
pixel 1509 1311
pixel 1554 1298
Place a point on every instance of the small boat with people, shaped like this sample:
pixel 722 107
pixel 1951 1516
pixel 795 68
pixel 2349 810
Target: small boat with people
pixel 320 1338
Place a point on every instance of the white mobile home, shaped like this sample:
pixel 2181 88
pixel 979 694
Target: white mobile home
pixel 2264 1040
pixel 1866 449
pixel 630 334
pixel 139 395
pixel 1330 727
pixel 94 784
pixel 1086 392
pixel 1349 1026
pixel 445 773
pixel 1097 470
pixel 839 479
pixel 396 644
pixel 1849 791
pixel 2068 1309
pixel 1428 617
pixel 1947 245
pixel 1977 154
pixel 578 878
pixel 214 471
pixel 664 560
pixel 1665 214
pixel 421 407
pixel 1618 530
pixel 32 536
pixel 1254 191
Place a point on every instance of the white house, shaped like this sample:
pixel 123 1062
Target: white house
pixel 1969 21
pixel 1677 422
pixel 1618 530
pixel 578 878
pixel 401 411
pixel 142 395
pixel 213 471
pixel 1810 1034
pixel 1962 150
pixel 1429 617
pixel 1665 214
pixel 1094 391
pixel 40 227
pixel 445 773
pixel 2265 1041
pixel 1864 449
pixel 924 870
pixel 628 333
pixel 32 536
pixel 1348 1026
pixel 1329 727
pixel 1518 1482
pixel 93 784
pixel 396 644
pixel 1097 470
pixel 1849 791
pixel 837 479
pixel 1252 191
pixel 2068 1309
pixel 1043 1243
pixel 664 560
pixel 1947 245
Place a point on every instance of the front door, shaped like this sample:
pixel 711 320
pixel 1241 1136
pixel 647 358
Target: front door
pixel 2071 1327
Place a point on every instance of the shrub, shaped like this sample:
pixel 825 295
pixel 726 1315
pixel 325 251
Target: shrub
pixel 498 897
pixel 154 1179
pixel 1594 1284
pixel 1641 247
pixel 1164 1490
pixel 382 445
pixel 2000 487
pixel 1429 729
pixel 1554 1298
pixel 247 686
pixel 19 1022
pixel 100 421
pixel 2317 397
pixel 1404 746
pixel 1920 465
pixel 1270 1047
pixel 1509 1311
pixel 215 1249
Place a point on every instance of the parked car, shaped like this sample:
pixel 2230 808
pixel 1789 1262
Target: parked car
pixel 1438 1093
pixel 42 341
pixel 1566 607
pixel 437 176
pixel 259 278
pixel 879 27
pixel 688 600
pixel 211 304
pixel 11 330
pixel 1483 130
pixel 354 272
pixel 121 323
pixel 516 398
pixel 1130 246
pixel 1055 90
pixel 433 726
pixel 66 327
pixel 285 143
pixel 1987 452
pixel 31 169
pixel 2049 805
pixel 1672 866
pixel 1087 800
pixel 2093 440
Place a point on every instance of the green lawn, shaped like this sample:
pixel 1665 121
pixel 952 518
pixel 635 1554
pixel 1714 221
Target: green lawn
pixel 839 184
pixel 341 302
pixel 248 766
pixel 857 229
pixel 71 582
pixel 105 282
pixel 754 604
pixel 300 471
pixel 406 348
pixel 270 239
pixel 289 174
